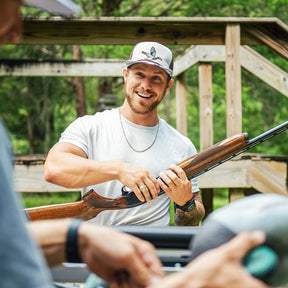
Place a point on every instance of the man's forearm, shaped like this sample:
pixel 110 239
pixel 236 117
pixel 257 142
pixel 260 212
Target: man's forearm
pixel 190 218
pixel 51 237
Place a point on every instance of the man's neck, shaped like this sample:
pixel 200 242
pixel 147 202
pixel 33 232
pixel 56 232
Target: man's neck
pixel 148 119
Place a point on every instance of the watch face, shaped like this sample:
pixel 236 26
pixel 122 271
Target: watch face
pixel 189 206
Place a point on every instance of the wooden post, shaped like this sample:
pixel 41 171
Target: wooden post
pixel 233 89
pixel 206 123
pixel 235 194
pixel 233 80
pixel 206 105
pixel 181 111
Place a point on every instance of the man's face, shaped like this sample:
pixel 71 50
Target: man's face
pixel 10 21
pixel 145 87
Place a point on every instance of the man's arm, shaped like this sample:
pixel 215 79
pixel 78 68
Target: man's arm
pixel 67 165
pixel 107 252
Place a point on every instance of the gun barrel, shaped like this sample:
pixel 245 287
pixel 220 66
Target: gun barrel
pixel 267 135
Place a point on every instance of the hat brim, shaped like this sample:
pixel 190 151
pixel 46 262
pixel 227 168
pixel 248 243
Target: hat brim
pixel 167 70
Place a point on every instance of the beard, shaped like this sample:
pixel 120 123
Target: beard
pixel 141 108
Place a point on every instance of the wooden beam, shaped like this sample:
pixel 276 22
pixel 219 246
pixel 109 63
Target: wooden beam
pixel 268 177
pixel 181 106
pixel 206 105
pixel 206 123
pixel 250 60
pixel 87 68
pixel 233 80
pixel 130 30
pixel 186 60
pixel 122 31
pixel 196 54
pixel 264 70
pixel 275 38
pixel 265 176
pixel 30 178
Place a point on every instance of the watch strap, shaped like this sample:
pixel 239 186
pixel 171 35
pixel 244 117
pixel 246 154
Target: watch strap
pixel 188 206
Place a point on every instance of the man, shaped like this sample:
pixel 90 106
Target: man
pixel 108 253
pixel 131 145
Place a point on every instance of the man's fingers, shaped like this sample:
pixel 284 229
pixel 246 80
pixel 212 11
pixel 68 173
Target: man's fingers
pixel 153 188
pixel 147 254
pixel 139 193
pixel 247 241
pixel 178 171
pixel 145 266
pixel 141 274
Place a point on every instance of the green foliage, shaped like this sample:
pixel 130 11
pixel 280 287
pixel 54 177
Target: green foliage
pixel 48 198
pixel 37 109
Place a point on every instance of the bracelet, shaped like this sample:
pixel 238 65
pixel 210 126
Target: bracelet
pixel 72 251
pixel 188 206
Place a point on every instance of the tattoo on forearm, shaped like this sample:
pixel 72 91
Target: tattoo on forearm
pixel 191 218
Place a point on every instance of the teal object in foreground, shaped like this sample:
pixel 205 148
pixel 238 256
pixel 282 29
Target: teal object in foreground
pixel 261 262
pixel 266 212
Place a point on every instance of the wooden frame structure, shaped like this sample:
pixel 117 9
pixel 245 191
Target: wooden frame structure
pixel 210 39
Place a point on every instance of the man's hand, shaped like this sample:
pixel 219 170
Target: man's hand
pixel 118 257
pixel 219 268
pixel 113 255
pixel 176 185
pixel 139 180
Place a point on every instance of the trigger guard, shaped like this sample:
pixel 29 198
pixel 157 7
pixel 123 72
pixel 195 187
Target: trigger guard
pixel 125 191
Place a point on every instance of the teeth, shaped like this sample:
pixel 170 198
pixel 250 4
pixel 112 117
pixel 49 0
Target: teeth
pixel 144 96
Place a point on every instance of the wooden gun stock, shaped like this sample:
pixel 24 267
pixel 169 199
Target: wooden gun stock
pixel 87 208
pixel 92 203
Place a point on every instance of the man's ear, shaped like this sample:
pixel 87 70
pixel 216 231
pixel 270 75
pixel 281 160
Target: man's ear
pixel 169 85
pixel 125 73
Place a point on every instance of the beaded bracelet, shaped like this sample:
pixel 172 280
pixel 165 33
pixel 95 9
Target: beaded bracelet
pixel 72 251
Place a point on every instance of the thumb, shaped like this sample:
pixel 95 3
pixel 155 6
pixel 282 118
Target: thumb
pixel 244 242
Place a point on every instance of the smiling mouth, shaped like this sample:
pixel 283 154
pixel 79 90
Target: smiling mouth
pixel 144 95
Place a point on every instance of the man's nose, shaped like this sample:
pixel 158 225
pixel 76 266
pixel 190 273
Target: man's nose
pixel 146 84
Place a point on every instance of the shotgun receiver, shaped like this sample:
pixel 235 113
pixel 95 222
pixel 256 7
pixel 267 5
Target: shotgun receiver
pixel 92 203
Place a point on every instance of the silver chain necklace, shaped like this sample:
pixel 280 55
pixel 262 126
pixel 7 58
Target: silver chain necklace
pixel 139 151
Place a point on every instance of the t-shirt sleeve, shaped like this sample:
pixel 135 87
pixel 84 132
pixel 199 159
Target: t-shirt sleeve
pixel 76 134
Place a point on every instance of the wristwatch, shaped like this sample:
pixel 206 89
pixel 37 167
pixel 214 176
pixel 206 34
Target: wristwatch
pixel 188 206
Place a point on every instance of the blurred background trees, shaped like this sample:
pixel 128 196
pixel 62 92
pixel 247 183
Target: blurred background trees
pixel 37 109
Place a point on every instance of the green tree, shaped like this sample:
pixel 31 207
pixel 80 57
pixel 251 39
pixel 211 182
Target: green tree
pixel 36 110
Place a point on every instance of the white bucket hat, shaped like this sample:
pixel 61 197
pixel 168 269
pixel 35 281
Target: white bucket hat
pixel 152 53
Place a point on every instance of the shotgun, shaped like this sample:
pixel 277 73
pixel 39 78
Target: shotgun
pixel 92 203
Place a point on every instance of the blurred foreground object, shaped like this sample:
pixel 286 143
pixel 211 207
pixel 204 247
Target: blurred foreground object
pixel 65 8
pixel 266 212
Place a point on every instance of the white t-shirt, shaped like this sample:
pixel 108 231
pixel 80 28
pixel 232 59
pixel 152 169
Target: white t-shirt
pixel 100 136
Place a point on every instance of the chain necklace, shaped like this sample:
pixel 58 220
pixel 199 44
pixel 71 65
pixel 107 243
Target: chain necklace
pixel 139 151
